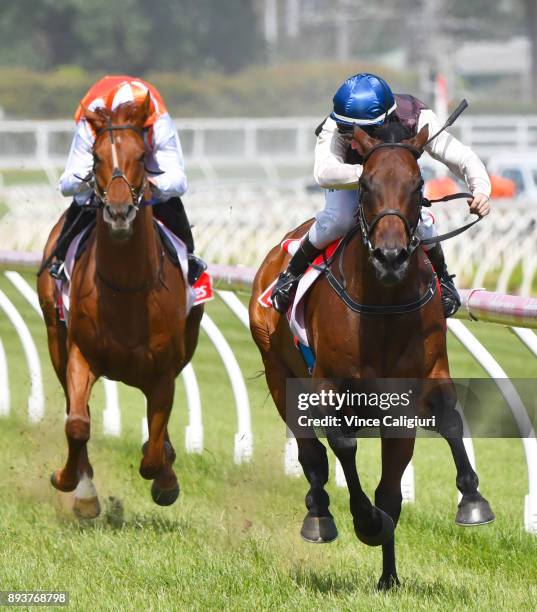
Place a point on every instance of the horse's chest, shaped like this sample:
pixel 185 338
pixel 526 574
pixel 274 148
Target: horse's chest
pixel 128 344
pixel 376 350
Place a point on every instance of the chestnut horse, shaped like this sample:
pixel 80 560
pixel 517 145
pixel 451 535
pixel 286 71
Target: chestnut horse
pixel 128 316
pixel 380 268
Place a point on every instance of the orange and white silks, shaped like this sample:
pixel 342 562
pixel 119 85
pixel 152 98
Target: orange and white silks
pixel 111 91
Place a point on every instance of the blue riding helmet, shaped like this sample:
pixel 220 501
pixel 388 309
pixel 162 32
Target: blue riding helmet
pixel 363 99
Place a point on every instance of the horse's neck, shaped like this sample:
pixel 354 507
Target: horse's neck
pixel 130 263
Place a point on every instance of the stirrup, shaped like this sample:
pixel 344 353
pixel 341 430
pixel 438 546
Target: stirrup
pixel 451 300
pixel 196 267
pixel 57 270
pixel 283 291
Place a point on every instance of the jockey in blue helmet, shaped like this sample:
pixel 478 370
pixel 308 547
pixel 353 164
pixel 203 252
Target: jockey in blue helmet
pixel 366 100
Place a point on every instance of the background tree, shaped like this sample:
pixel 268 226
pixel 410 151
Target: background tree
pixel 130 35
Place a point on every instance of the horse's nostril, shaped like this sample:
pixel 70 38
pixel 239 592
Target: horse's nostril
pixel 378 254
pixel 402 256
pixel 392 258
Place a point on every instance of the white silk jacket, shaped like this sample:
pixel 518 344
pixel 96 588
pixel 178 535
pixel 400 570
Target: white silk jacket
pixel 163 154
pixel 331 171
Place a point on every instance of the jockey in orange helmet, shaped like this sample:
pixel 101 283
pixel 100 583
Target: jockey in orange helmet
pixel 164 157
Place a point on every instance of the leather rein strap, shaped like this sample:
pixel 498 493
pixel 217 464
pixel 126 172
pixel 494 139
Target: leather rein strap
pixel 340 287
pixel 455 232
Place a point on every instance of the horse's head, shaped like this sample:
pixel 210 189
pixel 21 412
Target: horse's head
pixel 391 198
pixel 118 163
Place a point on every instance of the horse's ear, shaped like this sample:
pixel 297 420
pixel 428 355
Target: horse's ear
pixel 419 140
pixel 98 119
pixel 362 142
pixel 142 111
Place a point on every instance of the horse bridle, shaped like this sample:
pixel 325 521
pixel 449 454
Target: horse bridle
pixel 367 228
pixel 137 194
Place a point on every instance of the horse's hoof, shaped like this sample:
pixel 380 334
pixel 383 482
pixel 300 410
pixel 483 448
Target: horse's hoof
pixel 89 508
pixel 65 487
pixel 389 582
pixel 472 512
pixel 164 497
pixel 384 534
pixel 319 529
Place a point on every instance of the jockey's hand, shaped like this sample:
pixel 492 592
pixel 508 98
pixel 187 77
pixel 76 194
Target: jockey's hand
pixel 150 188
pixel 479 205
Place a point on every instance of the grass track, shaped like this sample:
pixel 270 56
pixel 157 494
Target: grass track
pixel 231 541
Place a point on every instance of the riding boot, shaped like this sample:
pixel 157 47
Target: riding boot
pixel 285 287
pixel 76 219
pixel 451 300
pixel 172 213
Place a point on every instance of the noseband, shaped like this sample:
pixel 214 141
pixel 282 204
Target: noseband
pixel 367 228
pixel 136 194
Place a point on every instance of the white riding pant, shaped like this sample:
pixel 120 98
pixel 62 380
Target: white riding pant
pixel 339 216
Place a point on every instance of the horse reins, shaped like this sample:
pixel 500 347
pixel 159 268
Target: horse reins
pixel 414 240
pixel 340 287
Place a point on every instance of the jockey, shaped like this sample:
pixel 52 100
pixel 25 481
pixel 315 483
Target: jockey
pixel 163 156
pixel 366 100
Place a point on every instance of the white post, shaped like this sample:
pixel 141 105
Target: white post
pixel 292 465
pixel 407 485
pixel 236 306
pixel 36 399
pixel 194 429
pixel 292 16
pixel 243 437
pixel 145 430
pixel 111 413
pixel 271 21
pixel 341 481
pixel 4 383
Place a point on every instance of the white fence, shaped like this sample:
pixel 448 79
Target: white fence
pixel 211 143
pixel 240 225
pixel 478 304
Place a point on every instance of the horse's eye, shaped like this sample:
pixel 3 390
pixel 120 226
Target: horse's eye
pixel 96 160
pixel 141 157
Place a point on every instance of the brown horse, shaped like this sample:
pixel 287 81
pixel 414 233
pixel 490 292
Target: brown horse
pixel 380 267
pixel 128 315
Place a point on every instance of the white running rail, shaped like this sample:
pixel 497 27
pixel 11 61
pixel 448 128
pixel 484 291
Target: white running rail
pixel 518 313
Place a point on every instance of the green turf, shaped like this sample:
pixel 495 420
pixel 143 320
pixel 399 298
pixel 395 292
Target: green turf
pixel 231 541
pixel 24 177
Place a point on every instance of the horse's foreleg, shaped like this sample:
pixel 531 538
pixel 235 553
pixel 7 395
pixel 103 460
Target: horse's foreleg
pixel 318 525
pixel 80 381
pixel 396 455
pixel 86 503
pixel 158 453
pixel 371 524
pixel 473 508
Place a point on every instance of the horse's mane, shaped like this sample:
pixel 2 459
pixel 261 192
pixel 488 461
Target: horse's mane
pixel 121 114
pixel 392 131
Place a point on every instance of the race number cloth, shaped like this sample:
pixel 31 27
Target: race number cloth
pixel 201 292
pixel 296 313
